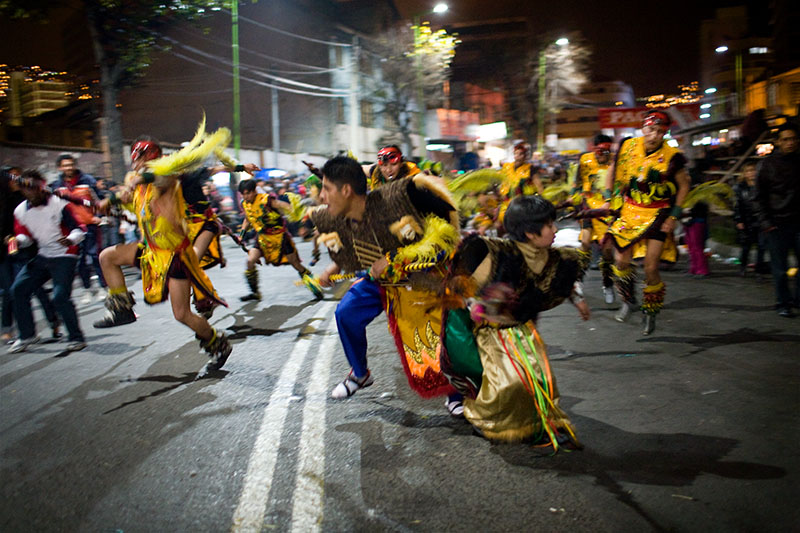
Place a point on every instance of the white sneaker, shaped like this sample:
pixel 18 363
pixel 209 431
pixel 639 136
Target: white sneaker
pixel 20 345
pixel 623 313
pixel 87 297
pixel 100 295
pixel 609 295
pixel 455 407
pixel 350 385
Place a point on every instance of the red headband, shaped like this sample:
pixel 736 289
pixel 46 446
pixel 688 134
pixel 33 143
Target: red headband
pixel 656 118
pixel 146 149
pixel 389 155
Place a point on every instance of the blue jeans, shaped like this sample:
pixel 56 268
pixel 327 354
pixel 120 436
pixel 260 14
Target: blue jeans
pixel 359 306
pixel 9 268
pixel 779 242
pixel 90 251
pixel 32 276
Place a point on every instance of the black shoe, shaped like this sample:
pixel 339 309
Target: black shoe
pixel 251 296
pixel 786 312
pixel 116 318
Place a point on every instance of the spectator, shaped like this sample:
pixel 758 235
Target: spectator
pixel 696 229
pixel 75 183
pixel 778 196
pixel 44 220
pixel 745 216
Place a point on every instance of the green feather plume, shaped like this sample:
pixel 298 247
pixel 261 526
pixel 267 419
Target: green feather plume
pixel 558 192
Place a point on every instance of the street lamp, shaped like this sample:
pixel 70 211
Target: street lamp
pixel 563 41
pixel 438 8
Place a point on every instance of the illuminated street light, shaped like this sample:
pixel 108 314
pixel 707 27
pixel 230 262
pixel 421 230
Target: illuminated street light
pixel 705 115
pixel 711 90
pixel 562 41
pixel 705 106
pixel 440 8
pixel 721 49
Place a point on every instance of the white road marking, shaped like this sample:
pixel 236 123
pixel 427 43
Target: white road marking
pixel 249 515
pixel 309 485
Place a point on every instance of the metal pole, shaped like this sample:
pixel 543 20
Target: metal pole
pixel 353 100
pixel 237 130
pixel 739 85
pixel 542 86
pixel 276 128
pixel 420 92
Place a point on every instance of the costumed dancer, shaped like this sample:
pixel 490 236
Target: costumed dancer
pixel 203 226
pixel 390 166
pixel 520 177
pixel 654 183
pixel 589 185
pixel 401 234
pixel 275 245
pixel 170 268
pixel 493 353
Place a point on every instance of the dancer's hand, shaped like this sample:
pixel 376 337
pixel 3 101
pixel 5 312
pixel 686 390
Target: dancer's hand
pixel 668 225
pixel 377 268
pixel 325 277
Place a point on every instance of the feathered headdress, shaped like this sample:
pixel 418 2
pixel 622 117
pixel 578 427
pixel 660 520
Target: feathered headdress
pixel 718 196
pixel 193 154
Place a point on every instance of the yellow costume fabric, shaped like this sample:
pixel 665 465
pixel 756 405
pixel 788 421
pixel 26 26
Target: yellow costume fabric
pixel 517 180
pixel 273 239
pixel 195 223
pixel 166 241
pixel 647 190
pixel 591 180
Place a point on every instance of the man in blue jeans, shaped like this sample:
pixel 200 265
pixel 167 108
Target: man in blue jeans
pixel 82 186
pixel 778 197
pixel 44 221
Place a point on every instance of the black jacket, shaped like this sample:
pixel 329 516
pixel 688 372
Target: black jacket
pixel 778 193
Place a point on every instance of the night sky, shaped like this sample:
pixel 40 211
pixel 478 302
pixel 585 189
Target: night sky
pixel 654 48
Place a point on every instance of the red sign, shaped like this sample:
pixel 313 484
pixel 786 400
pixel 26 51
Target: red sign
pixel 631 117
pixel 455 124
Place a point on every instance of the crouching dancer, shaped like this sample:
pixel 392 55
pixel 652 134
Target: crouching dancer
pixel 401 233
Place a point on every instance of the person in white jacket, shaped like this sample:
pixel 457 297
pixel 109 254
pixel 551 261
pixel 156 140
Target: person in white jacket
pixel 44 221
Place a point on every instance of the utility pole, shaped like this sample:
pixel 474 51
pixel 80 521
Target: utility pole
pixel 352 99
pixel 237 130
pixel 542 86
pixel 276 127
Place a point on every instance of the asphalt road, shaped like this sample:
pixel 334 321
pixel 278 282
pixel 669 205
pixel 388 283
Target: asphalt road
pixel 692 429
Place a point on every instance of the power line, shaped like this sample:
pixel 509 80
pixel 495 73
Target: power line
pixel 255 70
pixel 290 34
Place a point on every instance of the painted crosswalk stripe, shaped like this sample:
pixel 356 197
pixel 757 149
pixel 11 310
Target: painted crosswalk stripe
pixel 309 487
pixel 249 515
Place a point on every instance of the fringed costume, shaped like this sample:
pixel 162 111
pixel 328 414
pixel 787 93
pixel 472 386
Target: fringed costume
pixel 517 181
pixel 201 216
pixel 411 222
pixel 493 353
pixel 274 240
pixel 649 188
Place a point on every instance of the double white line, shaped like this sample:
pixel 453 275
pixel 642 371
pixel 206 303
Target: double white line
pixel 308 491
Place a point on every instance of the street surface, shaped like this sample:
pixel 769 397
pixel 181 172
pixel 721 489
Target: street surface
pixel 693 429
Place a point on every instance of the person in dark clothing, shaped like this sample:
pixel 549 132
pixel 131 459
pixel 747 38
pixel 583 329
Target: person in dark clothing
pixel 778 199
pixel 12 258
pixel 745 215
pixel 77 184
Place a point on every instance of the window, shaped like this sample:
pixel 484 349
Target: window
pixel 367 114
pixel 759 50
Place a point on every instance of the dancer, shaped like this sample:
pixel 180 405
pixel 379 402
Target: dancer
pixel 401 234
pixel 493 353
pixel 391 166
pixel 520 177
pixel 654 183
pixel 590 184
pixel 274 240
pixel 170 268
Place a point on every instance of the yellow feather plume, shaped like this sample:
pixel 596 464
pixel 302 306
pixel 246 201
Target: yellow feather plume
pixel 189 158
pixel 718 196
pixel 298 209
pixel 557 192
pixel 225 158
pixel 438 236
pixel 475 181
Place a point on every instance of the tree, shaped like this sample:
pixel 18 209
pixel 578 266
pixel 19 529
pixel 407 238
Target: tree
pixel 410 64
pixel 566 72
pixel 124 35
